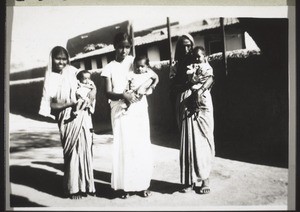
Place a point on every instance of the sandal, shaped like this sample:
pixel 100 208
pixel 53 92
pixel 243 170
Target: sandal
pixel 92 193
pixel 125 195
pixel 75 196
pixel 146 193
pixel 204 190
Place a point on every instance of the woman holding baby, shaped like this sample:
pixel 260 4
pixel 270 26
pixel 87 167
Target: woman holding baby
pixel 58 102
pixel 132 157
pixel 192 84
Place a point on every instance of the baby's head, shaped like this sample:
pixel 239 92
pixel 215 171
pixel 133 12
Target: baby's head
pixel 140 64
pixel 84 76
pixel 198 54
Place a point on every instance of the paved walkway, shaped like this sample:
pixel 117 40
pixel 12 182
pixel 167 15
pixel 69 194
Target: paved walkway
pixel 36 162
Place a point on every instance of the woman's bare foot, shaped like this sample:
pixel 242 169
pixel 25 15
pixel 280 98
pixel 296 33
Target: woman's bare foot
pixel 187 189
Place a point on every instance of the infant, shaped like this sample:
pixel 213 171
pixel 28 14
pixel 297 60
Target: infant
pixel 85 85
pixel 143 80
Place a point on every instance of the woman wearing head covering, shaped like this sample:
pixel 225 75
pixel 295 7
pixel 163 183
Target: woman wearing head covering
pixel 58 99
pixel 132 157
pixel 184 47
pixel 194 113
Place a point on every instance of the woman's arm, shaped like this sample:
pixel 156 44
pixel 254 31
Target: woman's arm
pixel 54 104
pixel 127 96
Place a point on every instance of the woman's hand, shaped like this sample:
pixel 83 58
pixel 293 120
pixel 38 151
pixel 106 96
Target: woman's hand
pixel 130 96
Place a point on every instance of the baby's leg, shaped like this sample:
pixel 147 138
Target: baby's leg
pixel 144 87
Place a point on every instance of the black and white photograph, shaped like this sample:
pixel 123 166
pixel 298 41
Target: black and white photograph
pixel 150 107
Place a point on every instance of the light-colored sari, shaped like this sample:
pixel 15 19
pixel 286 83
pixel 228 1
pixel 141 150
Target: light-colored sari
pixel 197 140
pixel 75 134
pixel 132 153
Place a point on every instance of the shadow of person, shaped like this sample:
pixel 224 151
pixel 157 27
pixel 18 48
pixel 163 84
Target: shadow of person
pixel 164 187
pixel 33 116
pixel 37 178
pixel 103 176
pixel 102 189
pixel 19 201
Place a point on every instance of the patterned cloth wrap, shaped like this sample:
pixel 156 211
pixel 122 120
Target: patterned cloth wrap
pixel 198 73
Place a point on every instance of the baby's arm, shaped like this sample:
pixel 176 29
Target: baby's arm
pixel 92 94
pixel 207 84
pixel 145 87
pixel 155 79
pixel 149 85
pixel 89 85
pixel 201 76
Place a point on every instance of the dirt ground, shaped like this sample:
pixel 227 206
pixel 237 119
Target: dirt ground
pixel 35 170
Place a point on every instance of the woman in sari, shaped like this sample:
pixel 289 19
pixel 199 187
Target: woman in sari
pixel 195 122
pixel 57 102
pixel 132 157
pixel 184 46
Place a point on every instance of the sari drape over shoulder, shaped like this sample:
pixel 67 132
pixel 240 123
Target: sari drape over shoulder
pixel 75 134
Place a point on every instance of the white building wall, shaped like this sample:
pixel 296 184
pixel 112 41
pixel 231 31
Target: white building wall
pixel 82 66
pixel 173 49
pixel 199 40
pixel 234 41
pixel 153 53
pixel 104 60
pixel 94 63
pixel 249 42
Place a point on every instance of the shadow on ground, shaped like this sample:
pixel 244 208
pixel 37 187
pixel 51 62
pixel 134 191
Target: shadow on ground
pixel 29 140
pixel 52 184
pixel 37 178
pixel 248 147
pixel 104 189
pixel 18 201
pixel 159 186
